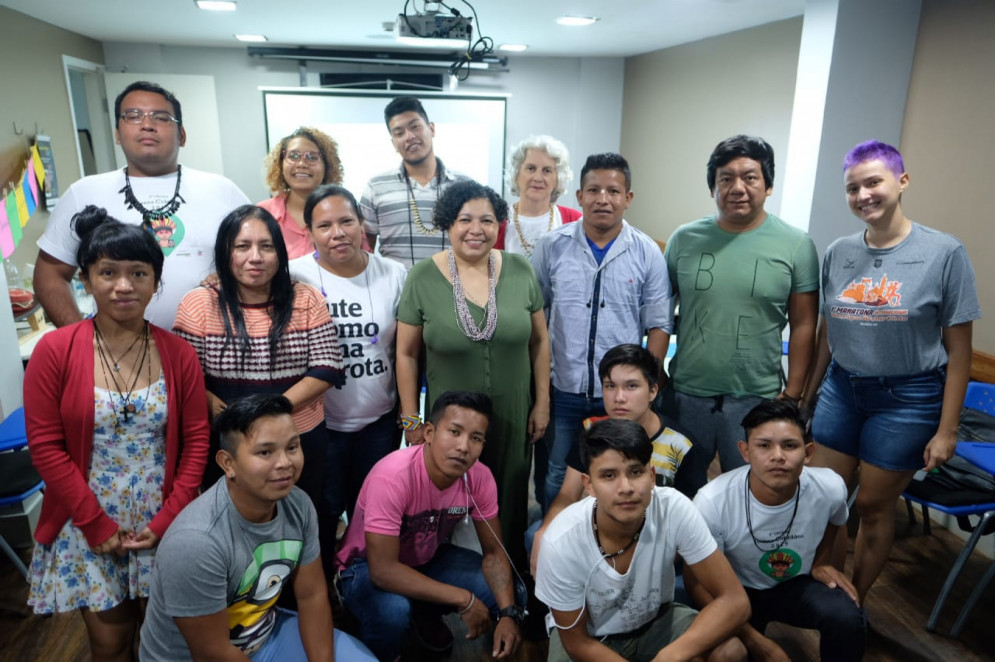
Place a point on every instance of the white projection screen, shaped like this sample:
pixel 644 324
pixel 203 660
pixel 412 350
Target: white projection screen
pixel 469 130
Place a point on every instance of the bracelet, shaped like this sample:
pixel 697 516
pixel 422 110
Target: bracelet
pixel 791 399
pixel 469 604
pixel 412 422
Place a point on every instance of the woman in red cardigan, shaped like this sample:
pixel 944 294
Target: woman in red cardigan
pixel 117 427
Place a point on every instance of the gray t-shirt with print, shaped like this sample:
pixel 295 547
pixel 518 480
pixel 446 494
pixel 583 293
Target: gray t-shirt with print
pixel 213 559
pixel 885 308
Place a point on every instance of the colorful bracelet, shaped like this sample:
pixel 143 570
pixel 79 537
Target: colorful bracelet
pixel 412 422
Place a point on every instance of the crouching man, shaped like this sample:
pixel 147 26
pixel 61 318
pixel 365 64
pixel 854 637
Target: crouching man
pixel 225 559
pixel 606 566
pixel 396 562
pixel 776 521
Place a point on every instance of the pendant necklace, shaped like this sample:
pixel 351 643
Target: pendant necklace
pixel 527 246
pixel 778 540
pixel 597 539
pixel 159 213
pixel 127 407
pixel 115 361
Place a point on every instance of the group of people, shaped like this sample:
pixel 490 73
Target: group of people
pixel 311 331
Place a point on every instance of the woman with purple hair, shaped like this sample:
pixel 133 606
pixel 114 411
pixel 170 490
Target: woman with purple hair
pixel 898 304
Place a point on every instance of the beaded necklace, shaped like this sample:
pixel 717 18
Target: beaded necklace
pixel 597 539
pixel 159 213
pixel 464 318
pixel 414 214
pixel 526 245
pixel 782 537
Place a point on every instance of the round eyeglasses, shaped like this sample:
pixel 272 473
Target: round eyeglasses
pixel 135 116
pixel 295 156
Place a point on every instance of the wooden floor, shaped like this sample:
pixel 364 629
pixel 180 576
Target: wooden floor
pixel 898 606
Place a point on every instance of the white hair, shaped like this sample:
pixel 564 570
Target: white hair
pixel 556 151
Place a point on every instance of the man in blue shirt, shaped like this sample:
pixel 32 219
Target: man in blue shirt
pixel 605 283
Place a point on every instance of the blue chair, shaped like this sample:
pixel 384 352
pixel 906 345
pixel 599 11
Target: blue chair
pixel 18 477
pixel 961 504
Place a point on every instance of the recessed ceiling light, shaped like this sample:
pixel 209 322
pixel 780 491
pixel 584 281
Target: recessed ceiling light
pixel 216 5
pixel 513 48
pixel 577 21
pixel 251 37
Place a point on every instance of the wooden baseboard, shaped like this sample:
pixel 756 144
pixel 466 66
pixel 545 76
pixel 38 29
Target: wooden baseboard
pixel 983 367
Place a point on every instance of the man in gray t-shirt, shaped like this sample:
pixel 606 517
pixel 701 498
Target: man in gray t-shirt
pixel 224 561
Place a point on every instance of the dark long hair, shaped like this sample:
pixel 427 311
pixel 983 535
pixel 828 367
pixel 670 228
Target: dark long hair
pixel 281 290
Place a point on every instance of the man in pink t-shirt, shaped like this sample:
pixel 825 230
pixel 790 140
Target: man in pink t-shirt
pixel 396 560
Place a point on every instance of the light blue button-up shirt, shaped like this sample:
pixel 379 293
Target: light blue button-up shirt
pixel 592 308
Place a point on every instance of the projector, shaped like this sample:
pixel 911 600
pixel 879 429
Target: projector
pixel 434 26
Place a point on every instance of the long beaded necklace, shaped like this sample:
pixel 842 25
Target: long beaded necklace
pixel 413 212
pixel 149 215
pixel 597 539
pixel 782 537
pixel 526 245
pixel 464 318
pixel 127 407
pixel 369 296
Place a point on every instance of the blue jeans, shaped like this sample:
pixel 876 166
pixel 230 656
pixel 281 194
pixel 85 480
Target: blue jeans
pixel 884 421
pixel 808 603
pixel 349 456
pixel 284 643
pixel 568 413
pixel 384 618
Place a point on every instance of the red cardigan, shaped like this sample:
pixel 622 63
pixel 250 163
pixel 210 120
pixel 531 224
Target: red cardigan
pixel 58 412
pixel 568 214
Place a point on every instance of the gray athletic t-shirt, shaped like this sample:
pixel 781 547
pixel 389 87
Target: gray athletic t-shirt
pixel 885 308
pixel 213 559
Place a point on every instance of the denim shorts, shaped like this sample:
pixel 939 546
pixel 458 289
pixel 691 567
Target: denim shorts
pixel 885 421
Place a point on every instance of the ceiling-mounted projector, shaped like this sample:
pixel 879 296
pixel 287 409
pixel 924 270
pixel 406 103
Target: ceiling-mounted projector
pixel 431 25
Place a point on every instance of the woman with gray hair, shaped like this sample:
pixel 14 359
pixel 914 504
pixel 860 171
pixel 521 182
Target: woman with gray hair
pixel 538 172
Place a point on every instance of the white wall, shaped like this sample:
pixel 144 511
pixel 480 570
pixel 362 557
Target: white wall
pixel 578 100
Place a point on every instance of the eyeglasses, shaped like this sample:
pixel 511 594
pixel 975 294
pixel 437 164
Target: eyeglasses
pixel 135 116
pixel 294 156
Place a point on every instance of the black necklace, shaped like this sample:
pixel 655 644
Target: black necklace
pixel 779 539
pixel 597 539
pixel 159 213
pixel 127 407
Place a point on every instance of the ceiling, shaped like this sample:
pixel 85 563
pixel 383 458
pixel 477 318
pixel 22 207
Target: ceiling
pixel 626 27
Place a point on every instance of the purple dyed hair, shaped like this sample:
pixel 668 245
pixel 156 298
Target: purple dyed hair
pixel 875 150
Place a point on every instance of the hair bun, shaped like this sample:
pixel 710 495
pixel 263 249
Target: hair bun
pixel 89 219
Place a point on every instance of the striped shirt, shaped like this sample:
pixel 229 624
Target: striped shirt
pixel 307 348
pixel 386 205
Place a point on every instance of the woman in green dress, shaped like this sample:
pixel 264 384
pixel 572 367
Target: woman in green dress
pixel 479 313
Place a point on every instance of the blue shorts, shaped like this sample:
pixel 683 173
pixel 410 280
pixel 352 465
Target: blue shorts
pixel 885 421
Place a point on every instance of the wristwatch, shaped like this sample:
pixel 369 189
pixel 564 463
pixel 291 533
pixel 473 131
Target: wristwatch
pixel 514 612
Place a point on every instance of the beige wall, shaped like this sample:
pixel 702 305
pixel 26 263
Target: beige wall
pixel 680 102
pixel 34 92
pixel 949 136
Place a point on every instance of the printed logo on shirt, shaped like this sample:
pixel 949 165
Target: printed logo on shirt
pixel 780 564
pixel 168 233
pixel 871 301
pixel 251 616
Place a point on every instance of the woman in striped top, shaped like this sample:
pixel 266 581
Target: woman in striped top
pixel 257 331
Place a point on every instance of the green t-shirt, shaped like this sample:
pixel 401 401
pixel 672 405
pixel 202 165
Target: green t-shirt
pixel 733 290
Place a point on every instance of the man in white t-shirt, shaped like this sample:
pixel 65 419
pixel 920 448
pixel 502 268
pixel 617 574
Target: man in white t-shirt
pixel 606 567
pixel 181 206
pixel 776 520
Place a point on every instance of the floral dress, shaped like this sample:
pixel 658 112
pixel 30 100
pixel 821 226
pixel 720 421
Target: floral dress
pixel 127 470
